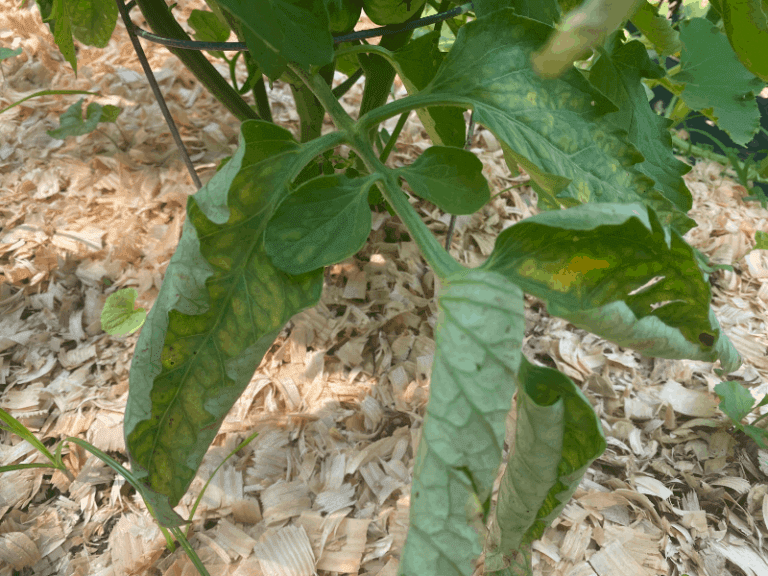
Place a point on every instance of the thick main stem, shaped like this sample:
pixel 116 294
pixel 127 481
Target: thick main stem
pixel 379 73
pixel 162 22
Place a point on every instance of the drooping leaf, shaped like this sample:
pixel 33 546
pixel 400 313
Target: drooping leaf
pixel 613 270
pixel 326 220
pixel 617 73
pixel 558 435
pixel 220 307
pixel 450 178
pixel 478 343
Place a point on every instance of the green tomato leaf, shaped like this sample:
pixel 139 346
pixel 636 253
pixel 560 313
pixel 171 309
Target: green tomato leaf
pixel 746 24
pixel 61 28
pixel 450 178
pixel 326 220
pixel 220 307
pixel 347 64
pixel 558 436
pixel 93 21
pixel 736 402
pixel 618 74
pixel 207 27
pixel 665 39
pixel 285 30
pixel 385 12
pixel 478 339
pixel 118 317
pixel 715 78
pixel 613 270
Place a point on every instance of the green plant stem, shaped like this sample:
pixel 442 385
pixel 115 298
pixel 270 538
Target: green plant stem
pixel 47 93
pixel 190 551
pixel 262 100
pixel 169 543
pixel 232 63
pixel 309 109
pixel 379 73
pixel 129 477
pixel 397 107
pixel 16 427
pixel 162 22
pixel 440 9
pixel 258 88
pixel 747 173
pixel 393 138
pixel 239 447
pixel 698 151
pixel 756 420
pixel 467 145
pixel 344 87
pixel 441 261
pixel 671 107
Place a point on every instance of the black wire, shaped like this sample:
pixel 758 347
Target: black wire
pixel 241 46
pixel 397 28
pixel 158 94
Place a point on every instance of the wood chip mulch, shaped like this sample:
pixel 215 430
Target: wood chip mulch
pixel 340 397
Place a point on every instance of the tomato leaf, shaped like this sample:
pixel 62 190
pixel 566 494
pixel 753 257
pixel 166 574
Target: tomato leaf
pixel 450 178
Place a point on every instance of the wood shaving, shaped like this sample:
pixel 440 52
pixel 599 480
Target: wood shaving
pixel 339 400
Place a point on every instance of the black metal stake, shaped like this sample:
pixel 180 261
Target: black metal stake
pixel 156 91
